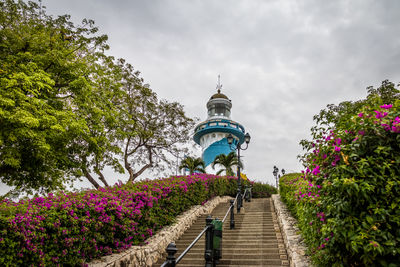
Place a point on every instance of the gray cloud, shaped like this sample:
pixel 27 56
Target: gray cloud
pixel 280 61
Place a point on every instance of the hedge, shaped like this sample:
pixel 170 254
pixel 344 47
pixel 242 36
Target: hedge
pixel 347 201
pixel 74 228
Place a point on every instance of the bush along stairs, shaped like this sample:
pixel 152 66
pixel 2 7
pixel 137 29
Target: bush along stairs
pixel 255 239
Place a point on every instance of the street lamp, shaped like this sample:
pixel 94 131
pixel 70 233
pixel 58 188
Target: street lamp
pixel 275 173
pixel 239 147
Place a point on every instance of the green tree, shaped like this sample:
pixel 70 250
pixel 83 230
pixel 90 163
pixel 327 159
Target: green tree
pixel 68 110
pixel 150 129
pixel 46 73
pixel 226 162
pixel 193 165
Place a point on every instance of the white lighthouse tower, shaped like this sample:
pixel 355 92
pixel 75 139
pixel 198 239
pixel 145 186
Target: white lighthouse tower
pixel 212 134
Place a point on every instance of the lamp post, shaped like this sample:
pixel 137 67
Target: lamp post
pixel 239 147
pixel 275 173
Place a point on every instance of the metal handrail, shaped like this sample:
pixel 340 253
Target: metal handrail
pixel 230 207
pixel 165 264
pixel 208 229
pixel 192 244
pixel 244 193
pixel 247 190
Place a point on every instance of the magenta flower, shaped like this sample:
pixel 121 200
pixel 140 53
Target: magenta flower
pixel 316 170
pixel 337 149
pixel 386 106
pixel 360 114
pixel 380 115
pixel 385 126
pixel 396 129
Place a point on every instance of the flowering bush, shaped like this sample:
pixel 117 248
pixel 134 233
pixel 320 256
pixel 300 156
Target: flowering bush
pixel 347 201
pixel 73 228
pixel 261 190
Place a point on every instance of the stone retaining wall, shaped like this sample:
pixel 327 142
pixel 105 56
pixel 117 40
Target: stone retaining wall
pixel 141 256
pixel 296 249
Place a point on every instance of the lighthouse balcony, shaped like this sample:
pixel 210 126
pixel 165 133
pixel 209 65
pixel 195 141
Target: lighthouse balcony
pixel 221 126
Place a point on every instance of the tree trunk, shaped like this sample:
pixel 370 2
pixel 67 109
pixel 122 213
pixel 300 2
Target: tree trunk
pixel 102 178
pixel 128 168
pixel 135 175
pixel 91 179
pixel 132 175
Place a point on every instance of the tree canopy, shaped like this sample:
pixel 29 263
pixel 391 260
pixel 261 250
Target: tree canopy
pixel 226 162
pixel 68 110
pixel 193 165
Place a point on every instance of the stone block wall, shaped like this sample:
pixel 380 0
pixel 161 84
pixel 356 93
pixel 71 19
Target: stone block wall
pixel 295 246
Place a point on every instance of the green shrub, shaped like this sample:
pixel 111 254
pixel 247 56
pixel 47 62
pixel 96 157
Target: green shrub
pixel 261 190
pixel 347 201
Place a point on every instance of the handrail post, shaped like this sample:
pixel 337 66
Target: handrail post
pixel 247 196
pixel 209 242
pixel 171 250
pixel 250 195
pixel 239 200
pixel 232 223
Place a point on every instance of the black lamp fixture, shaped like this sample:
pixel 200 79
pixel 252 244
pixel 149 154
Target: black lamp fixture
pixel 230 139
pixel 247 138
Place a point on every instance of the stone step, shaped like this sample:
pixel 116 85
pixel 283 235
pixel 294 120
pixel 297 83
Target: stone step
pixel 239 228
pixel 228 256
pixel 231 265
pixel 239 250
pixel 237 262
pixel 235 238
pixel 199 228
pixel 258 245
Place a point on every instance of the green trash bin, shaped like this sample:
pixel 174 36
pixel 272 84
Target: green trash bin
pixel 217 239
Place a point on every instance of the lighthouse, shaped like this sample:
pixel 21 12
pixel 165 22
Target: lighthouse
pixel 212 133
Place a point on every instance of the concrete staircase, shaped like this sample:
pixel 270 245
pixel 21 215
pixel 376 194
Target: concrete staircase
pixel 255 241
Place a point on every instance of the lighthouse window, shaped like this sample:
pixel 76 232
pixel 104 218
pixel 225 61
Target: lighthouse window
pixel 220 109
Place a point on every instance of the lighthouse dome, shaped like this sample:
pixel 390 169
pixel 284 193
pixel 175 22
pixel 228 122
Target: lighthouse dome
pixel 219 95
pixel 219 106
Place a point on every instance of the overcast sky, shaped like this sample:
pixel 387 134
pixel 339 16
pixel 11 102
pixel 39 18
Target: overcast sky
pixel 280 62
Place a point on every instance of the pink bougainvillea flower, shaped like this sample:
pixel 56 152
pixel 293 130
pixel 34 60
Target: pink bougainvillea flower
pixel 316 170
pixel 386 106
pixel 337 149
pixel 396 129
pixel 360 114
pixel 380 115
pixel 386 127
